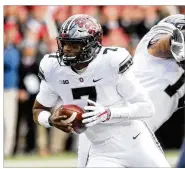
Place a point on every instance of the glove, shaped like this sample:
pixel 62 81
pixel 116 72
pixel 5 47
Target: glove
pixel 95 113
pixel 177 45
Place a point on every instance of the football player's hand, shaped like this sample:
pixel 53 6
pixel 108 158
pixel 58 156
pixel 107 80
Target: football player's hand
pixel 177 45
pixel 95 113
pixel 55 120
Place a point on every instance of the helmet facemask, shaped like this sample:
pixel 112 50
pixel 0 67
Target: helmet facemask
pixel 86 52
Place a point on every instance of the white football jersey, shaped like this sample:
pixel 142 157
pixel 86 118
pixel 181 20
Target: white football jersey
pixel 99 83
pixel 163 78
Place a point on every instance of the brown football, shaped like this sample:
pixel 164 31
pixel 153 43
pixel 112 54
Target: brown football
pixel 74 114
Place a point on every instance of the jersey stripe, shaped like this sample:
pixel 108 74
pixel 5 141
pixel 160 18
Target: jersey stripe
pixel 53 56
pixel 181 103
pixel 124 65
pixel 172 89
pixel 154 137
pixel 41 74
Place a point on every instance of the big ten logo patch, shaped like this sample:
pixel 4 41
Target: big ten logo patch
pixel 64 81
pixel 81 79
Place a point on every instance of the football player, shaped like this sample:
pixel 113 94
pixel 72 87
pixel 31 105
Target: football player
pixel 159 66
pixel 98 78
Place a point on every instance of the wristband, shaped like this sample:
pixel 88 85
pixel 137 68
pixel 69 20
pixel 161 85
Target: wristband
pixel 43 119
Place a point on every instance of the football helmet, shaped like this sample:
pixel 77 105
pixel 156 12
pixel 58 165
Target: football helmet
pixel 83 30
pixel 178 20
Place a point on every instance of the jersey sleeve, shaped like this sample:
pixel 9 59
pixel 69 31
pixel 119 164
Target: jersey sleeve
pixel 46 96
pixel 121 61
pixel 45 68
pixel 130 88
pixel 140 105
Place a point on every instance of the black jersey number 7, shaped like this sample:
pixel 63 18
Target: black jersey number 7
pixel 85 91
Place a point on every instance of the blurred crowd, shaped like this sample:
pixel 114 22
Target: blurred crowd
pixel 27 40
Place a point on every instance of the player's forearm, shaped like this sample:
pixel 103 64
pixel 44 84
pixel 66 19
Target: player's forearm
pixel 161 48
pixel 36 113
pixel 37 108
pixel 140 105
pixel 135 111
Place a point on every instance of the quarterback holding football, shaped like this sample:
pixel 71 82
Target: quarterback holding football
pixel 99 80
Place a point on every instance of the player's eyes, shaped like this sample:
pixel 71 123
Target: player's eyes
pixel 75 46
pixel 72 47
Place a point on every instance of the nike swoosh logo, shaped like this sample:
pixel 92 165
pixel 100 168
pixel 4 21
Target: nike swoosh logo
pixel 97 80
pixel 136 136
